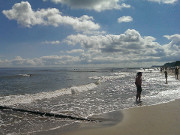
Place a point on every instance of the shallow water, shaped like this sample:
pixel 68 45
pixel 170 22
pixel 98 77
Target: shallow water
pixel 79 92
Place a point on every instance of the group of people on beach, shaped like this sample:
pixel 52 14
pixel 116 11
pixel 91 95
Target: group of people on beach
pixel 176 71
pixel 138 82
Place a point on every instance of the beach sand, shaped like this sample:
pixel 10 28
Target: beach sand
pixel 163 119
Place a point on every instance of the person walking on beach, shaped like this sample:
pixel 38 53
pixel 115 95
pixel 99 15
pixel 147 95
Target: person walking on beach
pixel 165 72
pixel 176 72
pixel 138 83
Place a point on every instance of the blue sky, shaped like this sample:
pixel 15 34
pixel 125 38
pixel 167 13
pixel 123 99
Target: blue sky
pixel 125 33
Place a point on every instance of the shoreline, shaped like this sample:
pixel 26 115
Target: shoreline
pixel 161 119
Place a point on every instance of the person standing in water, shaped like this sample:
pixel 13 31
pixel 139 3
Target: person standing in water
pixel 176 72
pixel 138 83
pixel 165 72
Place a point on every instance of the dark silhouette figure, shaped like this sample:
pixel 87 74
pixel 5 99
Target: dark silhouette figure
pixel 138 83
pixel 161 69
pixel 176 72
pixel 166 75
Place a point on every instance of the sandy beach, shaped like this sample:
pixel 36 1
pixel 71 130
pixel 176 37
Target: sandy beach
pixel 163 119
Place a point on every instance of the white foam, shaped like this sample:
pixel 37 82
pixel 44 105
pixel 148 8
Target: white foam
pixel 24 75
pixel 151 70
pixel 28 98
pixel 162 97
pixel 77 89
pixel 110 77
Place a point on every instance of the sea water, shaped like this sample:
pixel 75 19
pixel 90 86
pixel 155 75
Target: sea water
pixel 78 92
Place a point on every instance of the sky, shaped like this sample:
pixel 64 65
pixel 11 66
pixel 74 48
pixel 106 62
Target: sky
pixel 123 33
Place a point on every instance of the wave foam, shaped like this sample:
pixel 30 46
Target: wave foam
pixel 151 70
pixel 24 75
pixel 107 78
pixel 28 98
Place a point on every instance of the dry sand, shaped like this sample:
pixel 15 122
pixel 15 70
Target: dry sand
pixel 163 119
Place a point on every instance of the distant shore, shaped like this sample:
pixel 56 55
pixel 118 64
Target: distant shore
pixel 163 119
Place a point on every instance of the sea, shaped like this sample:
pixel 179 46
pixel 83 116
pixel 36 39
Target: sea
pixel 78 92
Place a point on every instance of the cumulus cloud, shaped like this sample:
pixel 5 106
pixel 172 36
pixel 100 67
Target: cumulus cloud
pixel 51 42
pixel 21 61
pixel 125 19
pixel 25 16
pixel 53 60
pixel 97 5
pixel 130 46
pixel 173 48
pixel 130 40
pixel 175 40
pixel 79 51
pixel 164 1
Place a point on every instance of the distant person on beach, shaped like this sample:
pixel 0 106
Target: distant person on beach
pixel 138 83
pixel 176 72
pixel 166 75
pixel 161 69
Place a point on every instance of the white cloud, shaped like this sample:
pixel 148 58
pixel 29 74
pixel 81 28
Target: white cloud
pixel 53 60
pixel 97 5
pixel 125 19
pixel 165 1
pixel 21 61
pixel 131 40
pixel 173 48
pixel 25 16
pixel 51 42
pixel 129 47
pixel 175 39
pixel 79 51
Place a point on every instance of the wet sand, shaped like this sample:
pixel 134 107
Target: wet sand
pixel 163 119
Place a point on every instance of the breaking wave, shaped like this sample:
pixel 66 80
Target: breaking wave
pixel 28 98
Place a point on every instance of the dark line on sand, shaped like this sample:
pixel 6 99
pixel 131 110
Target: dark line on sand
pixel 46 114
